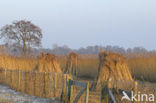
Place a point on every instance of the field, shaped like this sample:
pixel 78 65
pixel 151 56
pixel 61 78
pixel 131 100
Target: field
pixel 143 68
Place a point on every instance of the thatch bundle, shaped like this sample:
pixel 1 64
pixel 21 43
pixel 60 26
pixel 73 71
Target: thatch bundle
pixel 48 63
pixel 113 67
pixel 71 65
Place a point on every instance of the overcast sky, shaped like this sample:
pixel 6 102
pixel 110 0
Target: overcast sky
pixel 79 23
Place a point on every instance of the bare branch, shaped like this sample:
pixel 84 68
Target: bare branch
pixel 23 33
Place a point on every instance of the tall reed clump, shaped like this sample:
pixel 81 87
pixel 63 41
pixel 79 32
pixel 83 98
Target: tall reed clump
pixel 71 65
pixel 112 67
pixel 112 70
pixel 48 63
pixel 62 60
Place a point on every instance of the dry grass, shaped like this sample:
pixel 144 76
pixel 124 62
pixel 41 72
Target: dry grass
pixel 45 63
pixel 143 68
pixel 17 63
pixel 87 65
pixel 62 59
pixel 48 63
pixel 112 67
pixel 31 79
pixel 87 68
pixel 71 64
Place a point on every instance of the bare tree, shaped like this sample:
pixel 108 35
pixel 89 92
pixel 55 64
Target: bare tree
pixel 22 33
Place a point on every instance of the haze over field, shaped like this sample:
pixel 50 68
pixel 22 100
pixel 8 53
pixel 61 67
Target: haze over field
pixel 127 23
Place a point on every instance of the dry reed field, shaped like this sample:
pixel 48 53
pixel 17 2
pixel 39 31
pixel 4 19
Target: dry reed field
pixel 143 68
pixel 87 65
pixel 36 76
pixel 17 63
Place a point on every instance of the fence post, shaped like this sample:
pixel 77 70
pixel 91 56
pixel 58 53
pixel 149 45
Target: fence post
pixel 87 93
pixel 11 78
pixel 136 89
pixel 5 77
pixel 19 79
pixel 70 92
pixel 34 83
pixel 67 84
pixel 55 84
pixel 100 92
pixel 63 95
pixel 24 81
pixel 104 93
pixel 45 84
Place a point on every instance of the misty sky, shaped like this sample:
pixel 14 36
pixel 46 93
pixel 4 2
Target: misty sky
pixel 79 23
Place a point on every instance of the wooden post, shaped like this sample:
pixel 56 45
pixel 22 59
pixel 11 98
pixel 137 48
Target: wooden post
pixel 5 79
pixel 67 88
pixel 24 81
pixel 63 96
pixel 104 93
pixel 87 93
pixel 100 92
pixel 35 83
pixel 19 79
pixel 136 89
pixel 70 92
pixel 12 79
pixel 55 85
pixel 45 84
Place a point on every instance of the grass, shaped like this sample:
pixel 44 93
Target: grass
pixel 142 67
pixel 88 68
pixel 18 63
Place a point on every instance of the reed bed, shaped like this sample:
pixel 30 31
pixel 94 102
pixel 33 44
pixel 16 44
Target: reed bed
pixel 43 84
pixel 18 63
pixel 143 68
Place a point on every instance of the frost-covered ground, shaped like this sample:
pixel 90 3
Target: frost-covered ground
pixel 8 95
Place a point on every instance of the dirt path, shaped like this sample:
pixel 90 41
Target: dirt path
pixel 8 95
